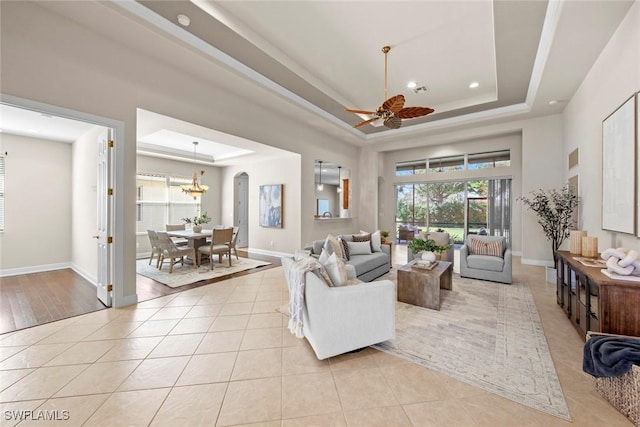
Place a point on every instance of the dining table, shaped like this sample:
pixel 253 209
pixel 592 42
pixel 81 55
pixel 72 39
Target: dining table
pixel 195 240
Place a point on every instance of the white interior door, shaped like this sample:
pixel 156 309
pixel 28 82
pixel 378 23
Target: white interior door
pixel 105 197
pixel 242 210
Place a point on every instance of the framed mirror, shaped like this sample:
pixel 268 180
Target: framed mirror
pixel 332 184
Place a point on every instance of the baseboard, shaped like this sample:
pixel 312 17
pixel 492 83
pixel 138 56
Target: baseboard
pixel 540 262
pixel 34 269
pixel 124 301
pixel 143 255
pixel 268 253
pixel 85 274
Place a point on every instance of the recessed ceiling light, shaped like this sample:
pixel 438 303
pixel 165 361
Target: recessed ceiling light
pixel 33 130
pixel 184 20
pixel 553 102
pixel 474 85
pixel 411 85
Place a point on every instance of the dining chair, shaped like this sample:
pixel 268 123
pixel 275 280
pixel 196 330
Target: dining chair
pixel 220 244
pixel 155 247
pixel 172 252
pixel 234 239
pixel 179 241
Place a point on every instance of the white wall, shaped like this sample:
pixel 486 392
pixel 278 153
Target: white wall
pixel 210 201
pixel 84 204
pixel 52 59
pixel 614 77
pixel 283 170
pixel 38 230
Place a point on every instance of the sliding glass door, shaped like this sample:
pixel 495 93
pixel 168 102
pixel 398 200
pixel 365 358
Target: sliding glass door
pixel 457 207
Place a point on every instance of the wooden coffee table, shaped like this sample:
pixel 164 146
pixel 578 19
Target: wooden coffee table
pixel 421 287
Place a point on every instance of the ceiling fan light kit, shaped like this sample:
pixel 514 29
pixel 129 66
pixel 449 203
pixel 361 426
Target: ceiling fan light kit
pixel 392 110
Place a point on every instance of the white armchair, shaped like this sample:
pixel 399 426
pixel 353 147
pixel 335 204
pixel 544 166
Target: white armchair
pixel 341 319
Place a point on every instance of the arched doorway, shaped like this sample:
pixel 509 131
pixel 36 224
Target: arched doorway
pixel 241 208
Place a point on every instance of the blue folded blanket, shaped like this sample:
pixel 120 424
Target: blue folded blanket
pixel 606 356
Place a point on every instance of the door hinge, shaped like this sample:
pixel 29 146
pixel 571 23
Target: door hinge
pixel 110 239
pixel 109 288
pixel 110 192
pixel 110 143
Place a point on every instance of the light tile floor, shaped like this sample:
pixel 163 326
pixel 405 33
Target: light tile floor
pixel 220 355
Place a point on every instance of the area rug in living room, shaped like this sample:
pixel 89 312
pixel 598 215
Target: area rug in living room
pixel 488 335
pixel 187 274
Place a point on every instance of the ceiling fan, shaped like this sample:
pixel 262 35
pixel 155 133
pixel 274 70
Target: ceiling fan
pixel 392 111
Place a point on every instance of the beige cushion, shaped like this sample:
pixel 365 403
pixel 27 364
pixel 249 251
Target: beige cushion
pixel 332 245
pixel 491 248
pixel 337 270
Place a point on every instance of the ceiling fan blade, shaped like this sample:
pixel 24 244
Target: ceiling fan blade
pixel 413 112
pixel 360 111
pixel 394 104
pixel 366 122
pixel 393 122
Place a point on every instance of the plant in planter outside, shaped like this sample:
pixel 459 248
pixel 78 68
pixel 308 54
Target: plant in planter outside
pixel 197 221
pixel 554 209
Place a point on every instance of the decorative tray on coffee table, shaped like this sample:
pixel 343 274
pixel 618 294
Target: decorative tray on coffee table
pixel 425 265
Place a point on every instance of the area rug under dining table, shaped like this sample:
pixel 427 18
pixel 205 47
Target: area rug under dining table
pixel 486 334
pixel 187 274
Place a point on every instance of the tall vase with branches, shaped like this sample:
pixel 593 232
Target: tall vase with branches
pixel 555 210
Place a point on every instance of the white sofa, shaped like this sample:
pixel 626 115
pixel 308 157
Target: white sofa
pixel 341 319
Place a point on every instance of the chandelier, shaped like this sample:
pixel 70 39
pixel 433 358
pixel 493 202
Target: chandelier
pixel 195 189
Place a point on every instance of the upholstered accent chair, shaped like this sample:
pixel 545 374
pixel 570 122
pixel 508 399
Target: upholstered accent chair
pixel 486 258
pixel 337 320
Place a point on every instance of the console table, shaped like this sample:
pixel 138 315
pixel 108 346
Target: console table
pixel 593 301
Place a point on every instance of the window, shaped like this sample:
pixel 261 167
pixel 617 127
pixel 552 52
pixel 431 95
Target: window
pixel 446 164
pixel 457 207
pixel 161 202
pixel 1 193
pixel 496 159
pixel 411 168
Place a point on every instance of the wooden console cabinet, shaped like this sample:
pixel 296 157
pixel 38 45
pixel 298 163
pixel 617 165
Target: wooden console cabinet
pixel 593 301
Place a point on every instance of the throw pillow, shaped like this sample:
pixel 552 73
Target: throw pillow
pixel 332 245
pixel 336 270
pixel 363 237
pixel 360 248
pixel 376 241
pixel 492 248
pixel 322 272
pixel 345 248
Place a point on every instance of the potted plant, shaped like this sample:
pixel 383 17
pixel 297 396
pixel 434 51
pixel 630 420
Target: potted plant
pixel 554 209
pixel 384 234
pixel 197 221
pixel 418 246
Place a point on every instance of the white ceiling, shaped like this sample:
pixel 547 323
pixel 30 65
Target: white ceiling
pixel 337 47
pixel 34 124
pixel 325 56
pixel 522 53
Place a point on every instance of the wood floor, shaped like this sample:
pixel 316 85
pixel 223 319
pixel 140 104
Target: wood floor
pixel 34 299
